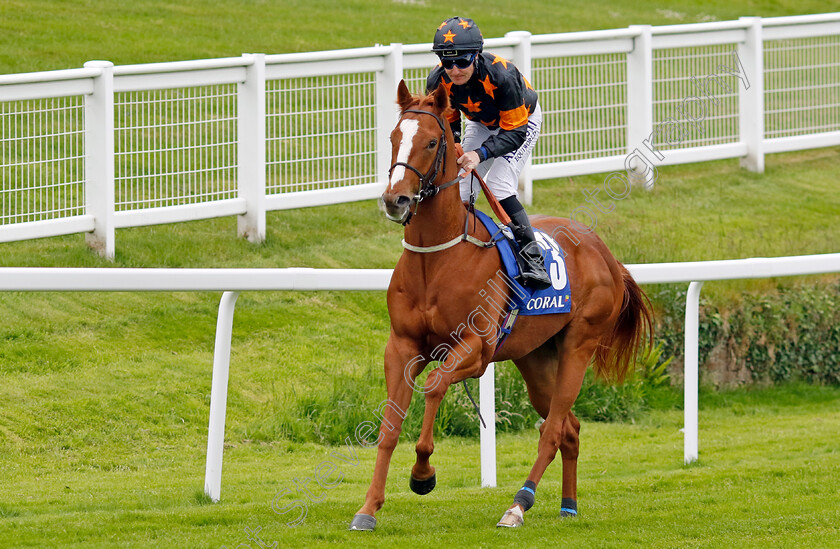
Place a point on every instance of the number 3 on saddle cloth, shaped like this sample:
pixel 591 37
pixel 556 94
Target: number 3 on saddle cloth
pixel 523 300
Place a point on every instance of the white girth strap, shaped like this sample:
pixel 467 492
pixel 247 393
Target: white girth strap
pixel 460 238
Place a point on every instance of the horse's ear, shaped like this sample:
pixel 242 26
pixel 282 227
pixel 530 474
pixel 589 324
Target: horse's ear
pixel 404 97
pixel 441 96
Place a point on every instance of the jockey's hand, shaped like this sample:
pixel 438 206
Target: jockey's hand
pixel 468 161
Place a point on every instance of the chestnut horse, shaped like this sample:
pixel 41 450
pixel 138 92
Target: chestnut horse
pixel 441 311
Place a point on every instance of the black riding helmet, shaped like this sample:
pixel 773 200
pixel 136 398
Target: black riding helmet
pixel 457 36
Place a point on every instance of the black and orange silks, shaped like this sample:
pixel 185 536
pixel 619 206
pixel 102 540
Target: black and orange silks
pixel 497 96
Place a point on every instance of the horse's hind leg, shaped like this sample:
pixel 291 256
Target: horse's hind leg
pixel 559 429
pixel 539 370
pixel 569 449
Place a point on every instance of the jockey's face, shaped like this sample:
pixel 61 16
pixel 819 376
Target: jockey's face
pixel 458 75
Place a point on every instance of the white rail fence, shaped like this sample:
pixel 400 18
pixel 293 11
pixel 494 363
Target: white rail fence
pixel 233 281
pixel 99 148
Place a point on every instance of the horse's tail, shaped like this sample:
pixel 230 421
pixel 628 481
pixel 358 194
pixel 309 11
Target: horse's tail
pixel 617 351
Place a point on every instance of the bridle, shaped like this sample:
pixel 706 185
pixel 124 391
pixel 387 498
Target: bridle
pixel 427 187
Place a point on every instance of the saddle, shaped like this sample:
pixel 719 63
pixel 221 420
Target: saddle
pixel 527 301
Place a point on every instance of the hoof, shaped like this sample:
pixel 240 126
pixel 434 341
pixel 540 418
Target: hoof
pixel 568 508
pixel 512 518
pixel 422 487
pixel 363 523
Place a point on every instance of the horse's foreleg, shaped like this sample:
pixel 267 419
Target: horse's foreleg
pixel 423 478
pixel 453 370
pixel 400 371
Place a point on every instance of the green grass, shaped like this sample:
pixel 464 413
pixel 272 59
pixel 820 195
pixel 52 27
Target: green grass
pixel 60 34
pixel 104 396
pixel 766 474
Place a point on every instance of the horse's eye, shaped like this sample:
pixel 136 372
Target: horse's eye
pixel 432 144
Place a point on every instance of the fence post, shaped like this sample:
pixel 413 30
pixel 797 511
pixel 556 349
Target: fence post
pixel 387 111
pixel 99 159
pixel 640 99
pixel 487 440
pixel 522 60
pixel 691 372
pixel 750 60
pixel 251 152
pixel 218 397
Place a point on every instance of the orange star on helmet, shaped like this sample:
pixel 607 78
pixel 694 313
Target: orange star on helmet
pixel 464 24
pixel 449 36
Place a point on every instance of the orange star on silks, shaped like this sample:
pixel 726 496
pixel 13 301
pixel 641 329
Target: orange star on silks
pixel 464 24
pixel 498 59
pixel 527 84
pixel 472 107
pixel 446 85
pixel 448 37
pixel 488 86
pixel 489 123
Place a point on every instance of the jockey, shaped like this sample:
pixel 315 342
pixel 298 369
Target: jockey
pixel 502 124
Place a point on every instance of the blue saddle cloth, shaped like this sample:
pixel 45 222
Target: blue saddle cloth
pixel 555 299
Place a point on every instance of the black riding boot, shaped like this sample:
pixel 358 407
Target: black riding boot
pixel 530 256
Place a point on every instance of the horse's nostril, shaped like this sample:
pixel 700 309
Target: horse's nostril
pixel 403 201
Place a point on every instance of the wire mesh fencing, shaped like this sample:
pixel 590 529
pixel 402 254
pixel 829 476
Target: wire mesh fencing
pixel 42 155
